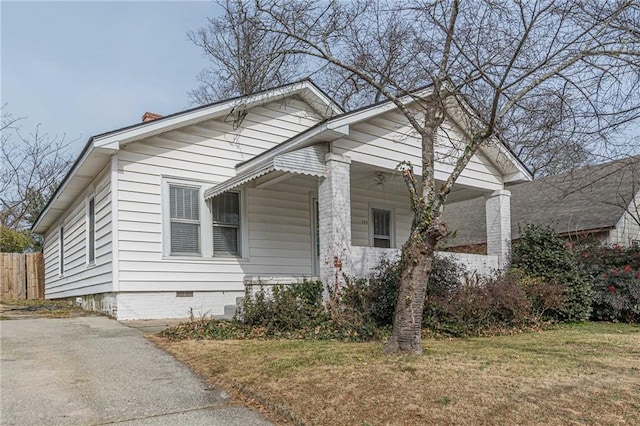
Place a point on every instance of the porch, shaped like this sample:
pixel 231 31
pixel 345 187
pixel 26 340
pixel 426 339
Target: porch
pixel 358 214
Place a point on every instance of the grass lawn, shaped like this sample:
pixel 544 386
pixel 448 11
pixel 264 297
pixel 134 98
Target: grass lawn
pixel 574 374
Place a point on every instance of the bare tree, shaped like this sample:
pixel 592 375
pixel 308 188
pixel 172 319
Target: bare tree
pixel 554 71
pixel 32 167
pixel 243 59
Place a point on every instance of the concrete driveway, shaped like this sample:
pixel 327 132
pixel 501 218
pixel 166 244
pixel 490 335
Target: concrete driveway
pixel 93 371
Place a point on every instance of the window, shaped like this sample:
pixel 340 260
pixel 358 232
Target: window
pixel 61 251
pixel 381 228
pixel 225 211
pixel 91 230
pixel 184 206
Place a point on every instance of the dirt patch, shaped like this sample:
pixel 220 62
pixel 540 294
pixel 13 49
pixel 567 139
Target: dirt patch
pixel 585 374
pixel 29 309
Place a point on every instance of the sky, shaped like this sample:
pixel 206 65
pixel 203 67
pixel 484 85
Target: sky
pixel 84 68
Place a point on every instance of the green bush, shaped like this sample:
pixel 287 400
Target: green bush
pixel 297 311
pixel 540 253
pixel 615 272
pixel 385 282
pixel 287 308
pixel 12 241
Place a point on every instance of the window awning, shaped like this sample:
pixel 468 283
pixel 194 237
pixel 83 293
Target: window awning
pixel 306 161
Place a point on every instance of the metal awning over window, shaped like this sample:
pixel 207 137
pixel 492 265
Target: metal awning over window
pixel 306 161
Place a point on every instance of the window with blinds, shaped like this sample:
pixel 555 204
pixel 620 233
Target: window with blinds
pixel 225 210
pixel 91 227
pixel 185 219
pixel 381 228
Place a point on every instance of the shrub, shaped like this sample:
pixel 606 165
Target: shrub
pixel 287 308
pixel 540 253
pixel 12 241
pixel 297 311
pixel 478 306
pixel 545 298
pixel 616 281
pixel 385 282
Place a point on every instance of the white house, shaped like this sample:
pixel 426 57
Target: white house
pixel 182 211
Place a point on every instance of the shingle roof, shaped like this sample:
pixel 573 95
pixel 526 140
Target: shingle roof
pixel 591 198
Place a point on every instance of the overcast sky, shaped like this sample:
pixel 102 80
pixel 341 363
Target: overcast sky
pixel 83 68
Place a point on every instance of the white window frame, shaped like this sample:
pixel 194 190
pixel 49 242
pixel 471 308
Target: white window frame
pixel 206 222
pixel 392 223
pixel 241 232
pixel 89 234
pixel 61 250
pixel 167 207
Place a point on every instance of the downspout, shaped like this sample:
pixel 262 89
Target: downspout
pixel 115 237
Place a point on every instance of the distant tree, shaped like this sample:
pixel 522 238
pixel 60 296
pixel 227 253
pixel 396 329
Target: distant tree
pixel 544 74
pixel 32 167
pixel 243 59
pixel 12 241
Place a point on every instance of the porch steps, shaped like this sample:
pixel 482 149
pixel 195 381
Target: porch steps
pixel 230 310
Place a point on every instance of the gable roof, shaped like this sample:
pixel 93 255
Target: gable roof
pixel 338 126
pixel 98 150
pixel 588 199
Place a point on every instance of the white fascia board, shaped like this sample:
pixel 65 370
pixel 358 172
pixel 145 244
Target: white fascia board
pixel 517 177
pixel 338 126
pixel 523 174
pixel 162 125
pixel 375 110
pixel 50 208
pixel 317 93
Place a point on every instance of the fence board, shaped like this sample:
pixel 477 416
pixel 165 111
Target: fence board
pixel 21 276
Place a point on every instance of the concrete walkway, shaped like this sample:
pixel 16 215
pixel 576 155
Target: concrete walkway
pixel 93 371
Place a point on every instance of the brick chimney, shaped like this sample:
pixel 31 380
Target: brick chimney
pixel 149 116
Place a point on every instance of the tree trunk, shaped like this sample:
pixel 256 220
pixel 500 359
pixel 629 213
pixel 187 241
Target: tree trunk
pixel 417 261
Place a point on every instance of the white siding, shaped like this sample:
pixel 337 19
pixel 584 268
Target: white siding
pixel 387 141
pixel 279 224
pixel 80 278
pixel 627 229
pixel 391 196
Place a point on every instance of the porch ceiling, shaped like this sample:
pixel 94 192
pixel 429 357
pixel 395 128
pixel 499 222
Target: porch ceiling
pixel 369 176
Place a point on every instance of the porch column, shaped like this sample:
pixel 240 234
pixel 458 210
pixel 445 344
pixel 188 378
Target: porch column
pixel 498 212
pixel 334 220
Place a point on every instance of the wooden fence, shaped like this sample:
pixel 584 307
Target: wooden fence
pixel 21 276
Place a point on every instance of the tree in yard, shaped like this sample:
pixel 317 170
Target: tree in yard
pixel 32 167
pixel 244 60
pixel 544 72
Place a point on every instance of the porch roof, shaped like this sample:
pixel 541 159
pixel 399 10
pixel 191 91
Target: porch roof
pixel 305 161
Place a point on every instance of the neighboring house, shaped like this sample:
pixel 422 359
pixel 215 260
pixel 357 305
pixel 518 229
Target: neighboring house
pixel 179 213
pixel 601 201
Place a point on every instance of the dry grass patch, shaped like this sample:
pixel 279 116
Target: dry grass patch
pixel 580 374
pixel 29 309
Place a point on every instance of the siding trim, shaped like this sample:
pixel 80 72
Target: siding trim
pixel 87 217
pixel 115 225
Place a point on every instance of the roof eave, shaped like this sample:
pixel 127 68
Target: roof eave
pixel 91 158
pixel 306 89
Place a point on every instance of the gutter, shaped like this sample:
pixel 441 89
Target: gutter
pixel 86 151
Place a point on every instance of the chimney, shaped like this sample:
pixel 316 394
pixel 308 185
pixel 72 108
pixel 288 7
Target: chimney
pixel 149 116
